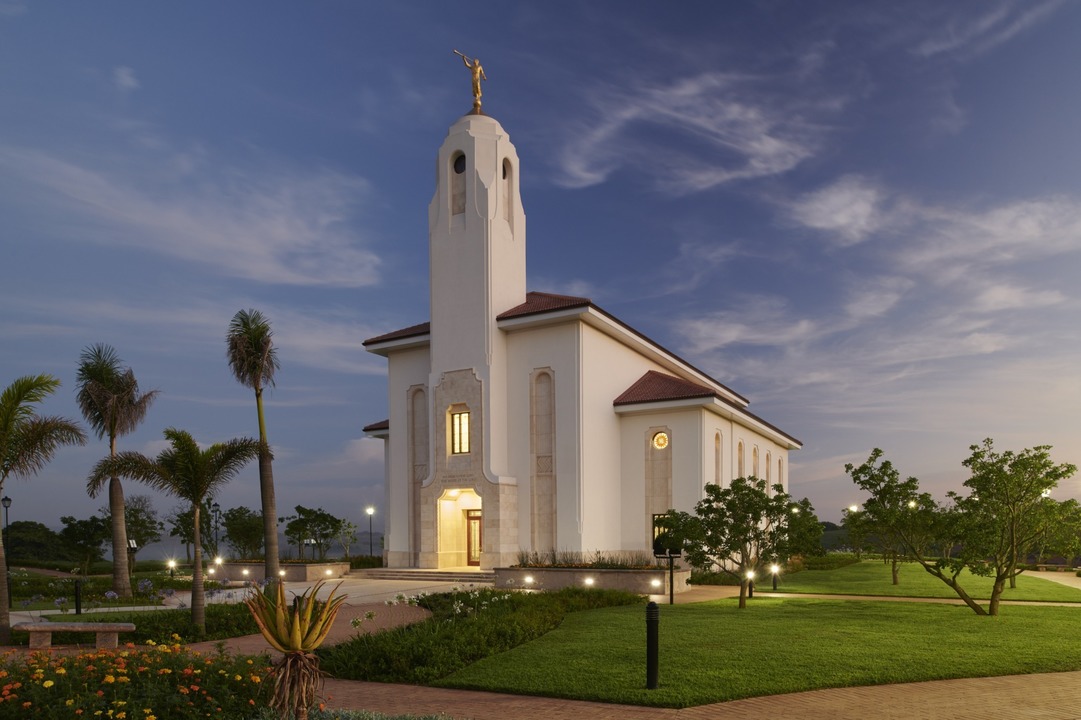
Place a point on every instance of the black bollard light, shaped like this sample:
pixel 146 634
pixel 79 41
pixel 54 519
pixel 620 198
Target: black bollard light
pixel 78 597
pixel 653 621
pixel 750 584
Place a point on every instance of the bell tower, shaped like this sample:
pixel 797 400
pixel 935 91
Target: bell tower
pixel 476 241
pixel 476 236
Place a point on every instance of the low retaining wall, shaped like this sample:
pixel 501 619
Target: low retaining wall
pixel 293 572
pixel 646 582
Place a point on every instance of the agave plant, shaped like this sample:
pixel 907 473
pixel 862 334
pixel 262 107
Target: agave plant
pixel 295 632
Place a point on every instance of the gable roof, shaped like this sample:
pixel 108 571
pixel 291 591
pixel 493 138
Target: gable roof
pixel 540 302
pixel 658 387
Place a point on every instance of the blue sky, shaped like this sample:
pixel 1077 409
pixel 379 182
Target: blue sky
pixel 863 216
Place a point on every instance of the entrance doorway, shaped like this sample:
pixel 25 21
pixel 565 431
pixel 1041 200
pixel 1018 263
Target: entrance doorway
pixel 474 536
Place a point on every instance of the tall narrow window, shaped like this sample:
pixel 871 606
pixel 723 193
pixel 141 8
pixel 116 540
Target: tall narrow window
pixel 459 433
pixel 739 458
pixel 754 462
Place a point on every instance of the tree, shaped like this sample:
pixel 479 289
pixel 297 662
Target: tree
pixel 804 530
pixel 1006 516
pixel 318 526
pixel 244 531
pixel 857 528
pixel 186 472
pixel 253 360
pixel 347 535
pixel 28 442
pixel 1008 511
pixel 141 521
pixel 112 405
pixel 30 540
pixel 737 529
pixel 83 539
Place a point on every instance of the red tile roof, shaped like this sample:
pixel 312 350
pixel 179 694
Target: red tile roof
pixel 381 425
pixel 411 331
pixel 540 302
pixel 657 387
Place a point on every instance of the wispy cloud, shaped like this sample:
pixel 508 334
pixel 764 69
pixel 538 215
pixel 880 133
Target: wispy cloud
pixel 978 33
pixel 849 210
pixel 270 226
pixel 727 131
pixel 124 79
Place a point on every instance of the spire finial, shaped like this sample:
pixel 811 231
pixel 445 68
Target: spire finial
pixel 478 74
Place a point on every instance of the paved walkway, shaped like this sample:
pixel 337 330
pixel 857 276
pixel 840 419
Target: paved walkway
pixel 1044 697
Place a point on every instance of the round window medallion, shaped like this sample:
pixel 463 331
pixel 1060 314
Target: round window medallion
pixel 660 440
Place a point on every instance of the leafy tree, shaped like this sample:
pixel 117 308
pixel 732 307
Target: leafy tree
pixel 738 529
pixel 316 525
pixel 83 539
pixel 141 521
pixel 112 405
pixel 1006 516
pixel 1008 512
pixel 188 473
pixel 253 360
pixel 28 442
pixel 804 530
pixel 347 535
pixel 29 540
pixel 244 531
pixel 857 529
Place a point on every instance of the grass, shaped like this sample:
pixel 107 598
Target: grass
pixel 872 577
pixel 713 652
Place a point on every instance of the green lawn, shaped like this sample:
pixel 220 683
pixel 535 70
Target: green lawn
pixel 713 652
pixel 871 577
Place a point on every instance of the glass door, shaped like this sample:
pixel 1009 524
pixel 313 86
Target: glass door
pixel 473 535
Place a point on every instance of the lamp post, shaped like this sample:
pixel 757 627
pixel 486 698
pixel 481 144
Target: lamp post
pixel 371 541
pixel 6 502
pixel 215 510
pixel 172 568
pixel 750 583
pixel 775 568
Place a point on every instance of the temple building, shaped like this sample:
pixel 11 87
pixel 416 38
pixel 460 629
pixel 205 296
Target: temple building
pixel 529 421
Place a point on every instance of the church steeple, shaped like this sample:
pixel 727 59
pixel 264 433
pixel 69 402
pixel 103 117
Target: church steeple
pixel 476 243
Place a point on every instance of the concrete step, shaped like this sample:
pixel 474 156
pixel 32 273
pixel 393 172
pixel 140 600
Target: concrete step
pixel 451 575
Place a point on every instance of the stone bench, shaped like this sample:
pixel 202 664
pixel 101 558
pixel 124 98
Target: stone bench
pixel 41 633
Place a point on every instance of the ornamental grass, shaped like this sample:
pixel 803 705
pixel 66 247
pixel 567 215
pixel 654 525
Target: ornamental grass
pixel 149 682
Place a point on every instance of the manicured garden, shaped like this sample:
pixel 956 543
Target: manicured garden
pixel 714 652
pixel 872 577
pixel 581 644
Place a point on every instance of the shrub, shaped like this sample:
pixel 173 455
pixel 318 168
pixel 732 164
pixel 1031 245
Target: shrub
pixel 163 626
pixel 702 577
pixel 359 562
pixel 597 560
pixel 830 561
pixel 465 627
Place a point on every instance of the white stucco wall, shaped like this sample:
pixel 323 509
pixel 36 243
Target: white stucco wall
pixel 406 368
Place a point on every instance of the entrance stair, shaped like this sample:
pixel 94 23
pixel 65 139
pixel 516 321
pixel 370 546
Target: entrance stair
pixel 442 575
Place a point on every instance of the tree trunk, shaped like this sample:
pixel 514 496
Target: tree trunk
pixel 896 570
pixel 266 491
pixel 996 595
pixel 5 599
pixel 198 604
pixel 121 578
pixel 743 593
pixel 1013 582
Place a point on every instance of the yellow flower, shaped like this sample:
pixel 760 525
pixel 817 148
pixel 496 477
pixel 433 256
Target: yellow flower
pixel 48 684
pixel 237 678
pixel 61 671
pixel 108 679
pixel 256 679
pixel 69 703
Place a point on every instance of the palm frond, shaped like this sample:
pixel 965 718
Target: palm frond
pixel 132 465
pixel 36 441
pixel 250 349
pixel 108 395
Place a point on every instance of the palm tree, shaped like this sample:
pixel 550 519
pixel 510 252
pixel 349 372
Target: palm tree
pixel 112 405
pixel 27 443
pixel 253 360
pixel 188 473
